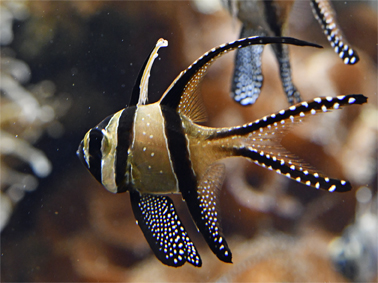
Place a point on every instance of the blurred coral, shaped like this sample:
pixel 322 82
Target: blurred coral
pixel 27 111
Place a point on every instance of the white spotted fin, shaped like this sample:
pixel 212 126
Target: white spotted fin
pixel 203 205
pixel 154 149
pixel 259 141
pixel 325 15
pixel 163 230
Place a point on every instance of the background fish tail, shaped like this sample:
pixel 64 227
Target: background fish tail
pixel 248 78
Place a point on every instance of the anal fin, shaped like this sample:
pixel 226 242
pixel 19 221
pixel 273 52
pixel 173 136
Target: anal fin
pixel 204 209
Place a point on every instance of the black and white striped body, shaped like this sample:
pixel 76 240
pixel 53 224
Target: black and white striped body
pixel 158 148
pixel 149 156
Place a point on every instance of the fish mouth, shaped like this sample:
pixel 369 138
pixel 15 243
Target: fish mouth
pixel 80 152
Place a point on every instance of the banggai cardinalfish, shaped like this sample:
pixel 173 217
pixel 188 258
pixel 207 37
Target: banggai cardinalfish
pixel 158 148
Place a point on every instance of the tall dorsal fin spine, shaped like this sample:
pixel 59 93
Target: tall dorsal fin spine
pixel 136 89
pixel 143 87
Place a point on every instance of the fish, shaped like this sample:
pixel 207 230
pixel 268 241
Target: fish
pixel 355 252
pixel 270 17
pixel 155 149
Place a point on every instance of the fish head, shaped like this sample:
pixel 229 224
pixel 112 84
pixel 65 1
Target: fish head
pixel 89 152
pixel 97 152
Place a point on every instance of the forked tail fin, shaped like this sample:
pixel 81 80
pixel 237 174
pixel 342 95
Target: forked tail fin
pixel 290 169
pixel 259 141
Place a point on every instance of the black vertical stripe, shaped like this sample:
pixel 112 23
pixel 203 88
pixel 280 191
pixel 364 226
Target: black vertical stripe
pixel 124 135
pixel 177 146
pixel 94 148
pixel 178 150
pixel 95 154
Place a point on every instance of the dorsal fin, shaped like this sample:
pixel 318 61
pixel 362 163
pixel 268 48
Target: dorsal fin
pixel 182 89
pixel 139 95
pixel 191 105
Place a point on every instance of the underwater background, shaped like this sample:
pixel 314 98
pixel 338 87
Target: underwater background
pixel 65 65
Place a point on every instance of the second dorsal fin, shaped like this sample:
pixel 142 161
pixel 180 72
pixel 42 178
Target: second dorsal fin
pixel 186 83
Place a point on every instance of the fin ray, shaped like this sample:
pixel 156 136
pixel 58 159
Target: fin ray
pixel 191 105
